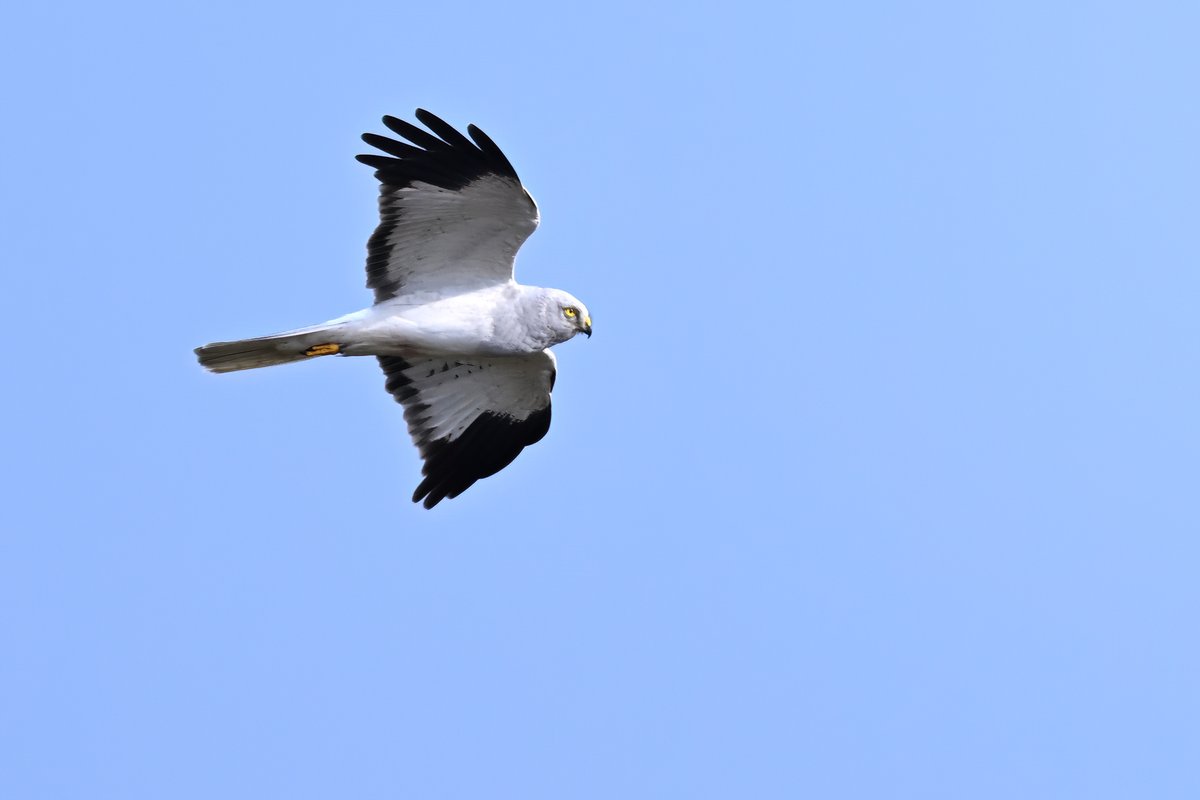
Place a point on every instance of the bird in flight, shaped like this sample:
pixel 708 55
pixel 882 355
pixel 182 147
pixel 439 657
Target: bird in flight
pixel 464 347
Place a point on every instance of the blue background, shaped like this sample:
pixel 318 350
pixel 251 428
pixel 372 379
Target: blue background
pixel 878 478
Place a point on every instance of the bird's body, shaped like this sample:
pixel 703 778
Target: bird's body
pixel 463 345
pixel 488 322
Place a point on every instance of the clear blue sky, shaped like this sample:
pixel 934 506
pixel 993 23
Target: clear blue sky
pixel 878 478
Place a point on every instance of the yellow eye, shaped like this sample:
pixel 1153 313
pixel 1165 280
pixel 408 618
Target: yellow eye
pixel 570 312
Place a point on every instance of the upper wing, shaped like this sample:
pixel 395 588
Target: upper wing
pixel 470 417
pixel 453 212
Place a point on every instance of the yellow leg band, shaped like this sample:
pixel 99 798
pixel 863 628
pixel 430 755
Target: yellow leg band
pixel 322 350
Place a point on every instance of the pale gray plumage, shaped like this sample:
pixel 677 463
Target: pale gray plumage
pixel 464 347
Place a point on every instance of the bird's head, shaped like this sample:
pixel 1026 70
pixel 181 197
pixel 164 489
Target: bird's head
pixel 567 316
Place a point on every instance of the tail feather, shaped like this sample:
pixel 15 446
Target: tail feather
pixel 263 351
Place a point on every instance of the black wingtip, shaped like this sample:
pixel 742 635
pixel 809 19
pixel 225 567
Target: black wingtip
pixel 491 149
pixel 417 136
pixel 374 161
pixel 444 129
pixel 444 158
pixel 426 492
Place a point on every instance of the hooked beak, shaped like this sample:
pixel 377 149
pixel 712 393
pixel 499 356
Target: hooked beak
pixel 587 326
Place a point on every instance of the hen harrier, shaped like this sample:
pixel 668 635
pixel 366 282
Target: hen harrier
pixel 465 348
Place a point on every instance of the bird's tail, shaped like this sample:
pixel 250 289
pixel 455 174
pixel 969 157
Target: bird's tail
pixel 267 351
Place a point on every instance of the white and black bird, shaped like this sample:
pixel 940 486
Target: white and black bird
pixel 465 348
